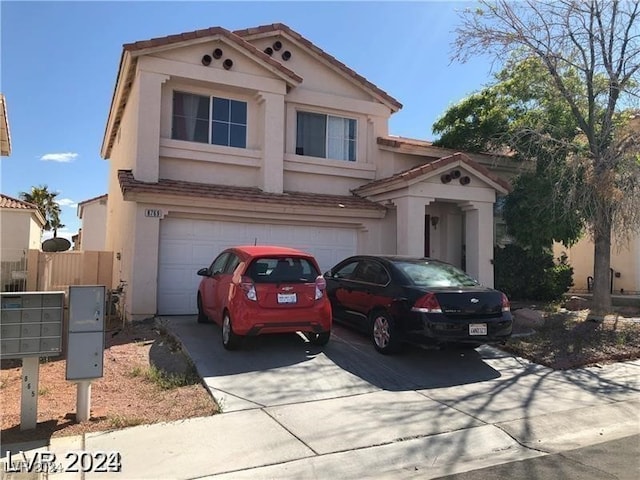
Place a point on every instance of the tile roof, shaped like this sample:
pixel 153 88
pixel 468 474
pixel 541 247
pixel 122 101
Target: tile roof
pixel 210 32
pixel 10 202
pixel 280 27
pixel 128 184
pixel 435 165
pixel 99 197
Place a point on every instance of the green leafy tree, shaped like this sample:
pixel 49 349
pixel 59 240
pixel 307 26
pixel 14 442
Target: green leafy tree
pixel 46 203
pixel 590 51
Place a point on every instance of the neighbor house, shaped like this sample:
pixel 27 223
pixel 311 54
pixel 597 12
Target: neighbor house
pixel 21 225
pixel 624 275
pixel 93 224
pixel 217 138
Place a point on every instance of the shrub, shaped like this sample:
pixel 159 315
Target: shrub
pixel 526 275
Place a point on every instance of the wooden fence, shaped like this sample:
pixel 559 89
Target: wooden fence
pixel 55 271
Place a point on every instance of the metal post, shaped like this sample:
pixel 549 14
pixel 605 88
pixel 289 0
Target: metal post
pixel 83 402
pixel 29 398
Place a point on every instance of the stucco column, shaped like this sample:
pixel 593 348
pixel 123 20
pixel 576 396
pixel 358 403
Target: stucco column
pixel 142 288
pixel 273 141
pixel 479 241
pixel 410 213
pixel 147 152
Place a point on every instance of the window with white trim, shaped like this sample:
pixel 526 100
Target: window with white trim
pixel 214 120
pixel 326 136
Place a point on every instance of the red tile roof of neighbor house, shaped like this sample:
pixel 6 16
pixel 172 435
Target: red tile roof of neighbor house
pixel 10 202
pixel 435 165
pixel 99 197
pixel 128 184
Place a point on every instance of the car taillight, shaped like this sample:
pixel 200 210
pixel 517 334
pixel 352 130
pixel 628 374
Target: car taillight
pixel 249 288
pixel 427 304
pixel 506 306
pixel 321 286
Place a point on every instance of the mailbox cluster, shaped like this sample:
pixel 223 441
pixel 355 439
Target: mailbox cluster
pixel 31 324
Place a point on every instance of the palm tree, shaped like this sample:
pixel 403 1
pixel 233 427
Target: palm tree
pixel 46 203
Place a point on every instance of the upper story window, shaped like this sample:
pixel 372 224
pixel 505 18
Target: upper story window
pixel 219 121
pixel 326 136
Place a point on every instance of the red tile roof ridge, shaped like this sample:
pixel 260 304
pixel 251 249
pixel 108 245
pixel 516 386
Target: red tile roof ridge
pixel 274 27
pixel 10 202
pixel 128 183
pixel 207 32
pixel 419 170
pixel 99 197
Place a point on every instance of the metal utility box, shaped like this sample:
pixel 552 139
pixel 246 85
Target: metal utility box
pixel 85 345
pixel 31 324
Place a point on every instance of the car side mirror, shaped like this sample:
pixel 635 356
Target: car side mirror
pixel 203 272
pixel 327 274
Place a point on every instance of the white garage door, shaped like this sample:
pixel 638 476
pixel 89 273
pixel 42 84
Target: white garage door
pixel 188 245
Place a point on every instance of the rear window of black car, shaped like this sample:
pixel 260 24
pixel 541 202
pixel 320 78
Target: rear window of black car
pixel 435 274
pixel 282 269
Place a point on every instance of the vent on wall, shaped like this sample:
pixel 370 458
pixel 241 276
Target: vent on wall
pixel 227 64
pixel 286 55
pixel 217 53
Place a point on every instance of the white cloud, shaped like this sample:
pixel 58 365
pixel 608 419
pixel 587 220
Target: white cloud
pixel 59 157
pixel 67 202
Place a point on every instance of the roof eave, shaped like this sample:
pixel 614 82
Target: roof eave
pixel 342 69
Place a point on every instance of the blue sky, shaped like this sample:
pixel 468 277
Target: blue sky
pixel 59 62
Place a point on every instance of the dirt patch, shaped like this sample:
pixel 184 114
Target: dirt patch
pixel 567 339
pixel 147 379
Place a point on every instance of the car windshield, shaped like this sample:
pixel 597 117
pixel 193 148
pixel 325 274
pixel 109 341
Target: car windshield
pixel 428 273
pixel 282 269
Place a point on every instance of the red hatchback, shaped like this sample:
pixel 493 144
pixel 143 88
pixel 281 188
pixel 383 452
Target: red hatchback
pixel 252 290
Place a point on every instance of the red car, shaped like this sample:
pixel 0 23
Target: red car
pixel 252 290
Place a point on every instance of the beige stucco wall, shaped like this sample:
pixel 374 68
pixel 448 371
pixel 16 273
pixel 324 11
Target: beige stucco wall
pixel 625 260
pixel 94 220
pixel 19 232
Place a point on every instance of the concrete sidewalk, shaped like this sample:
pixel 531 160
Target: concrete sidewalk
pixel 364 431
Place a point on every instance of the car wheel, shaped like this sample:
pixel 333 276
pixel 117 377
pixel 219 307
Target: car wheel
pixel 230 340
pixel 384 333
pixel 320 339
pixel 202 317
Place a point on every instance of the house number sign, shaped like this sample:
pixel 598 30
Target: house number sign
pixel 153 213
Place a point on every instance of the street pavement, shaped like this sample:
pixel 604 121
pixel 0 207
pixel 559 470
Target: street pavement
pixel 617 459
pixel 292 410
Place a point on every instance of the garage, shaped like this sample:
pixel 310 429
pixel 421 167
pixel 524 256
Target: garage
pixel 187 245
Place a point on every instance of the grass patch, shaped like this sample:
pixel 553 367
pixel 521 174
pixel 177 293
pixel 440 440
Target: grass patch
pixel 165 380
pixel 122 421
pixel 567 340
pixel 168 381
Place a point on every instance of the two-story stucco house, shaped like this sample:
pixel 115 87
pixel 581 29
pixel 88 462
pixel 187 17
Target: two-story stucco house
pixel 217 138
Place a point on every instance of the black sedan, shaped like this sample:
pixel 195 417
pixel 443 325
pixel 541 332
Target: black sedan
pixel 398 299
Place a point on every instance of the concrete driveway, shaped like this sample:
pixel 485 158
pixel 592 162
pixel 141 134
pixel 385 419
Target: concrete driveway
pixel 276 370
pixel 292 410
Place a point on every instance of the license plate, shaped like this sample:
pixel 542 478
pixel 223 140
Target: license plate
pixel 287 298
pixel 477 329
